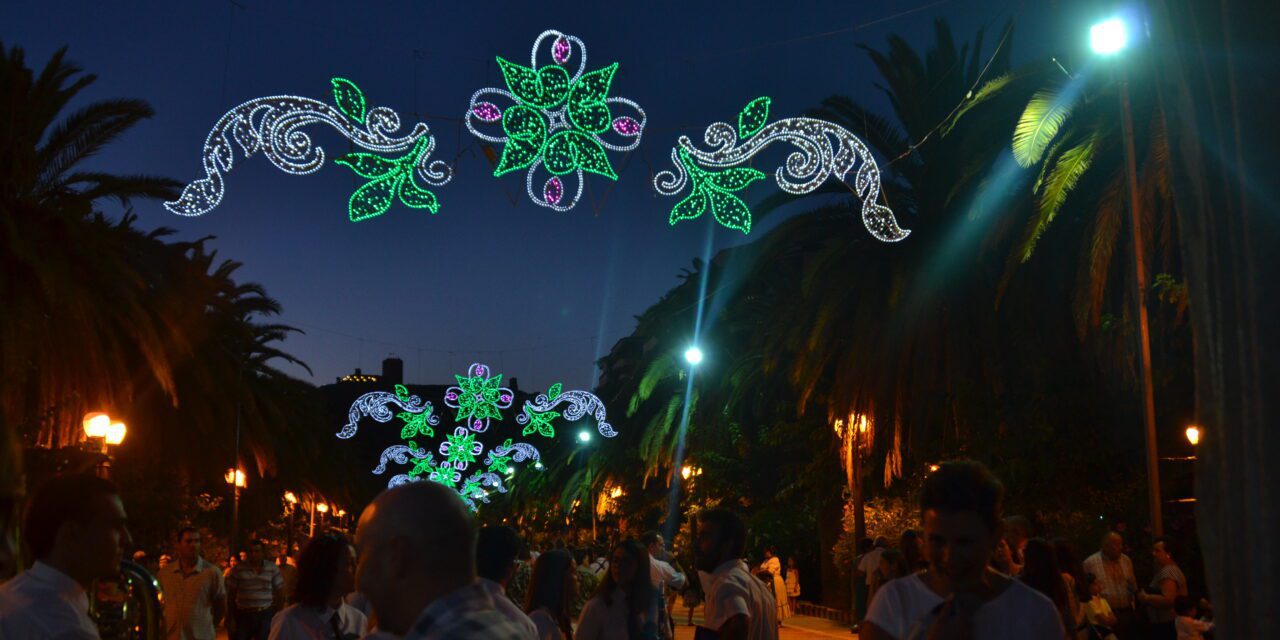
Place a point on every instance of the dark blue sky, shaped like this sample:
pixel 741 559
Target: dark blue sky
pixel 535 293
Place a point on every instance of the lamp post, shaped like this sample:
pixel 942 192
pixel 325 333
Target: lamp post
pixel 235 478
pixel 854 435
pixel 584 438
pixel 102 433
pixel 292 501
pixel 1106 38
pixel 323 508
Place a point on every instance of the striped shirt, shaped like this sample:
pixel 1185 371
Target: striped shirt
pixel 189 598
pixel 255 587
pixel 1116 576
pixel 465 614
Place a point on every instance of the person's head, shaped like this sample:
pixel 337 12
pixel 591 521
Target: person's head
pixel 76 523
pixel 865 545
pixel 1017 530
pixel 893 564
pixel 652 540
pixel 1002 558
pixel 770 551
pixel 721 537
pixel 496 550
pixel 188 545
pixel 791 562
pixel 257 552
pixel 1184 606
pixel 553 586
pixel 1162 551
pixel 417 542
pixel 1092 585
pixel 882 542
pixel 326 571
pixel 1040 571
pixel 960 506
pixel 1112 545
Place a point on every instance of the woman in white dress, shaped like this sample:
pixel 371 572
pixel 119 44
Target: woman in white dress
pixel 625 606
pixel 773 566
pixel 553 586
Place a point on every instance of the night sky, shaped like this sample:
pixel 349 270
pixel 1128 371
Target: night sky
pixel 492 277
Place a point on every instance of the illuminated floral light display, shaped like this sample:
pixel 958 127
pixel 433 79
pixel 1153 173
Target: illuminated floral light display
pixel 825 150
pixel 561 122
pixel 478 401
pixel 273 125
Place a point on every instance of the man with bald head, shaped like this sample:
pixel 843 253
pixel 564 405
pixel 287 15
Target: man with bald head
pixel 417 566
pixel 1114 571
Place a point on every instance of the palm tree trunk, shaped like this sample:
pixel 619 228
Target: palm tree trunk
pixel 1223 176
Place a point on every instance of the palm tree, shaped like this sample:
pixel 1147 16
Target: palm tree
pixel 78 329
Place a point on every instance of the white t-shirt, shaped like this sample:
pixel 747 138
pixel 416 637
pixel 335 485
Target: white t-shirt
pixel 546 626
pixel 300 622
pixel 601 621
pixel 43 603
pixel 869 563
pixel 732 590
pixel 903 609
pixel 662 574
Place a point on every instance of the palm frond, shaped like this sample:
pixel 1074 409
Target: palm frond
pixel 1061 181
pixel 1040 121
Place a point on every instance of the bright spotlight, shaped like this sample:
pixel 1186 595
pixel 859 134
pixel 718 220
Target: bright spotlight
pixel 584 436
pixel 1109 36
pixel 693 355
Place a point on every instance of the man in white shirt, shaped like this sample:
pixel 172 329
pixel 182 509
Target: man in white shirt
pixel 496 550
pixel 738 606
pixel 663 576
pixel 195 597
pixel 76 529
pixel 959 595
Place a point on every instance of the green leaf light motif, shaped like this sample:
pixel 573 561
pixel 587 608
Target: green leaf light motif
pixel 753 116
pixel 349 98
pixel 714 190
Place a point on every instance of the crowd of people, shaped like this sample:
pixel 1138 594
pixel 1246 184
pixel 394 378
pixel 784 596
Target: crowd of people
pixel 420 567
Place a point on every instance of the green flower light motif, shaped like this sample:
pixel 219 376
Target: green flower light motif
pixel 497 463
pixel 478 398
pixel 461 448
pixel 558 119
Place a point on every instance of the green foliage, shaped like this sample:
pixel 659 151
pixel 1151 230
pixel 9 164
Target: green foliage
pixel 1045 113
pixel 387 179
pixel 714 191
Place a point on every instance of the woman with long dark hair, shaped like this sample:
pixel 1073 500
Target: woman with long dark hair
pixel 625 607
pixel 553 587
pixel 326 573
pixel 1040 572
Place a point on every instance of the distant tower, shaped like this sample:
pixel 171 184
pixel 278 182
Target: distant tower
pixel 393 370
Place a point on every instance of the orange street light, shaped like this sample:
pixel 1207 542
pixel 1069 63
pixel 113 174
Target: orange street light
pixel 341 512
pixel 235 477
pixel 115 432
pixel 95 424
pixel 322 508
pixel 934 467
pixel 616 493
pixel 290 498
pixel 1193 435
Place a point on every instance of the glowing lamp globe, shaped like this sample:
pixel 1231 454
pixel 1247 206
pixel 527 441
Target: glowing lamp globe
pixel 584 436
pixel 1109 36
pixel 95 424
pixel 322 508
pixel 115 433
pixel 693 355
pixel 234 477
pixel 290 497
pixel 1193 435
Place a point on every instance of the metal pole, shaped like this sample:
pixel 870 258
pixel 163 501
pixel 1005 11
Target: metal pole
pixel 1144 336
pixel 235 487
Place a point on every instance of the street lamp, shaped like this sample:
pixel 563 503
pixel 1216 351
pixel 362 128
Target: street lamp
pixel 292 499
pixel 95 424
pixel 1193 435
pixel 235 478
pixel 693 355
pixel 115 432
pixel 584 436
pixel 1108 38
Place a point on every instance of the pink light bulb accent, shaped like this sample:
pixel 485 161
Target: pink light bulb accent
pixel 626 126
pixel 553 191
pixel 487 112
pixel 560 50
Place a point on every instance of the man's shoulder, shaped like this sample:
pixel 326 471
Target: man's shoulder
pixel 1020 597
pixel 482 624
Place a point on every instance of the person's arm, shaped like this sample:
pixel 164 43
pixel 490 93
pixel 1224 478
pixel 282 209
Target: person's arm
pixel 218 602
pixel 1168 591
pixel 734 628
pixel 1107 616
pixel 277 589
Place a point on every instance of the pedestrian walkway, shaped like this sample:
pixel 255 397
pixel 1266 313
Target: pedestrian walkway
pixel 793 628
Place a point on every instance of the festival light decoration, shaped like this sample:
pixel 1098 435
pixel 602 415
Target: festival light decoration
pixel 477 399
pixel 273 125
pixel 558 121
pixel 825 150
